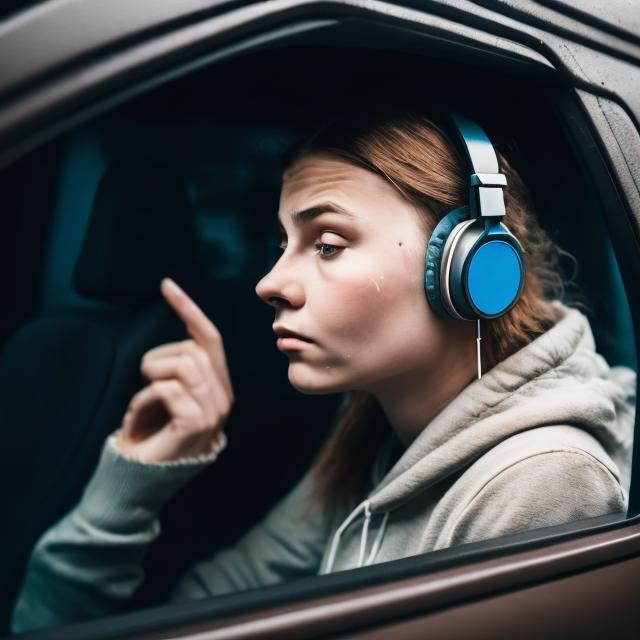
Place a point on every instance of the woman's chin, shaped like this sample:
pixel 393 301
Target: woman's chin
pixel 311 381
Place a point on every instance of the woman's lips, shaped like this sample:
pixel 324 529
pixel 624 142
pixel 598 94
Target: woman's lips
pixel 291 343
pixel 289 339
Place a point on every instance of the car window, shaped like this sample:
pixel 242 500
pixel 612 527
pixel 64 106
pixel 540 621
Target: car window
pixel 178 182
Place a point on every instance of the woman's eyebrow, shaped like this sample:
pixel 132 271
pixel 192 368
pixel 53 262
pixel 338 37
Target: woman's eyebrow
pixel 300 217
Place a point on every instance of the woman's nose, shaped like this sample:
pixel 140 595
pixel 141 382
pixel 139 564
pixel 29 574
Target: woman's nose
pixel 279 287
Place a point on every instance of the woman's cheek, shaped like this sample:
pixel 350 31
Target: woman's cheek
pixel 357 289
pixel 360 303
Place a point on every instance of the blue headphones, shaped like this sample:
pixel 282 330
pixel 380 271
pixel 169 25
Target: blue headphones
pixel 473 267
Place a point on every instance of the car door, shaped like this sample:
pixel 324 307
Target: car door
pixel 64 63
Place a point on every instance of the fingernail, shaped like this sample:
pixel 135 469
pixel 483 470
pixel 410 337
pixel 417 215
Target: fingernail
pixel 168 282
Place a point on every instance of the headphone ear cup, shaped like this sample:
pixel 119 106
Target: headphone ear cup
pixel 498 260
pixel 433 258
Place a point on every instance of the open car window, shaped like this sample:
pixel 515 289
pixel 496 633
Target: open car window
pixel 185 178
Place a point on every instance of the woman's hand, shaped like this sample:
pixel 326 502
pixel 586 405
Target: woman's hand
pixel 182 412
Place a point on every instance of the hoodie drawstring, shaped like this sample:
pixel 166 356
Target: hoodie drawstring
pixel 378 541
pixel 338 533
pixel 365 530
pixel 363 506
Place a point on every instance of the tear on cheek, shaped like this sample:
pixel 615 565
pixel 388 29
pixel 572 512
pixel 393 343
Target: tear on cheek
pixel 378 283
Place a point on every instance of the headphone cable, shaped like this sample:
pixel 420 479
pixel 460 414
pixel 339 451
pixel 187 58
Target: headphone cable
pixel 478 338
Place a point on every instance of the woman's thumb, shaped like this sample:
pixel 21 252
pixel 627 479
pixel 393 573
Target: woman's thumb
pixel 126 426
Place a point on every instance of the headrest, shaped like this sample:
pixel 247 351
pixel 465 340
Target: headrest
pixel 142 229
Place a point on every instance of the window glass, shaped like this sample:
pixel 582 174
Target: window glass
pixel 413 448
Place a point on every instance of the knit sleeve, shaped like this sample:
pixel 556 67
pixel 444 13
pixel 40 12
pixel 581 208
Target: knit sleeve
pixel 288 543
pixel 89 563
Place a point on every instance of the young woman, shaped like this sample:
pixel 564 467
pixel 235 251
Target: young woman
pixel 425 454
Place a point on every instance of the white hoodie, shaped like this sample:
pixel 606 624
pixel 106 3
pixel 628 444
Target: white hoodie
pixel 543 438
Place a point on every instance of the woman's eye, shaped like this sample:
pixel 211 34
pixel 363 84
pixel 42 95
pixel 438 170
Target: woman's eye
pixel 322 248
pixel 321 245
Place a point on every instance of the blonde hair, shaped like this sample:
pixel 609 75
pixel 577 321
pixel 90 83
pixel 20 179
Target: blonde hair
pixel 415 154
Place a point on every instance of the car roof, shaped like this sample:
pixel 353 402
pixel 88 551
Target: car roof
pixel 622 15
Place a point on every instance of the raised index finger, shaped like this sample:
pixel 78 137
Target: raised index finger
pixel 204 332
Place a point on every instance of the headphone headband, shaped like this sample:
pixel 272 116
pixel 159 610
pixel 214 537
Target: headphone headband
pixel 486 199
pixel 474 268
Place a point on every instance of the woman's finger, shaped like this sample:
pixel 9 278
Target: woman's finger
pixel 180 366
pixel 204 332
pixel 205 388
pixel 188 347
pixel 218 391
pixel 180 431
pixel 145 415
pixel 178 401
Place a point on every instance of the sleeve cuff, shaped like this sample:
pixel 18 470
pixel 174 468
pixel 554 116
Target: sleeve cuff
pixel 218 446
pixel 124 494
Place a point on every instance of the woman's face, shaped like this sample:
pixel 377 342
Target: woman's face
pixel 351 281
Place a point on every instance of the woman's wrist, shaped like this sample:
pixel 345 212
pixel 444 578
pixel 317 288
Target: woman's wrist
pixel 116 442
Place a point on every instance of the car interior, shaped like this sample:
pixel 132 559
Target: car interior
pixel 183 180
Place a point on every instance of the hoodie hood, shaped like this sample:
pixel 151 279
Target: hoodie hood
pixel 557 379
